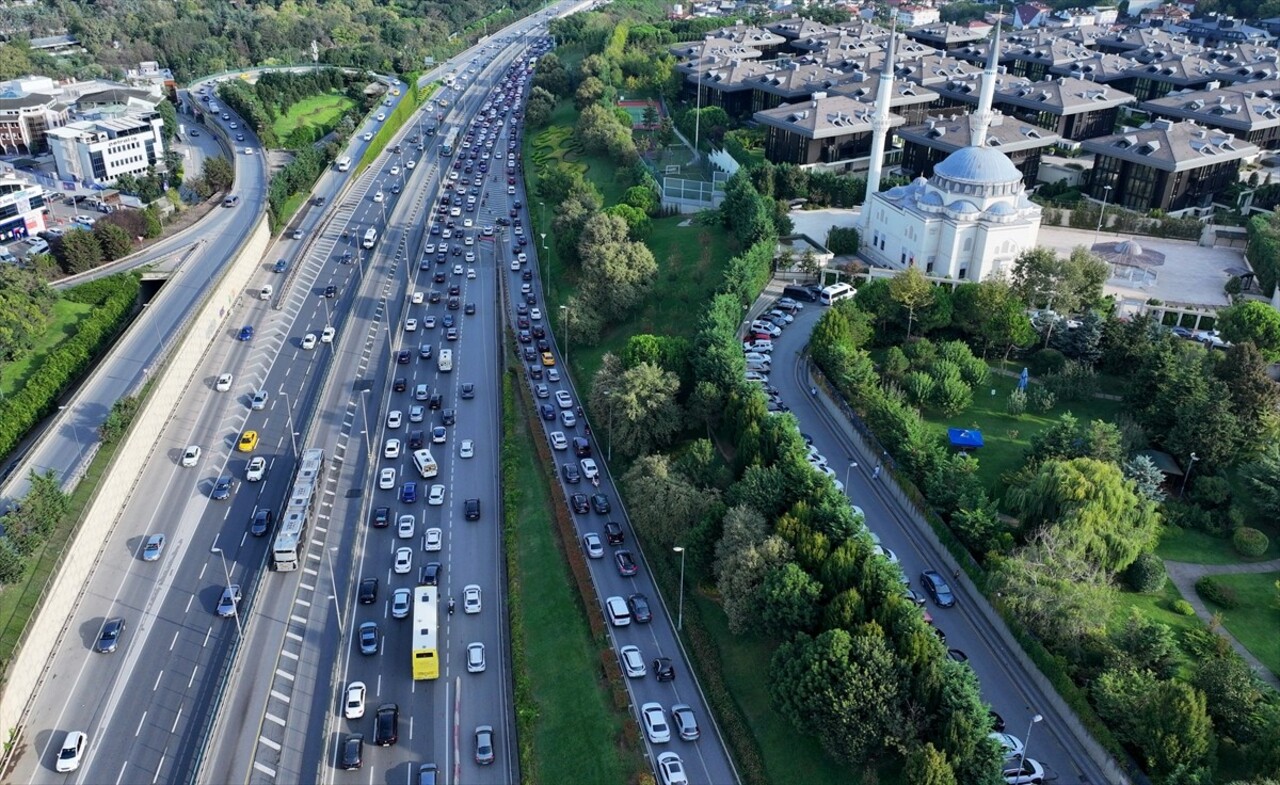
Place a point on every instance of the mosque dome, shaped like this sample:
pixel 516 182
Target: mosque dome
pixel 978 166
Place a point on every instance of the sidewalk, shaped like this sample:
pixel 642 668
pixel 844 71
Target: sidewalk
pixel 1185 575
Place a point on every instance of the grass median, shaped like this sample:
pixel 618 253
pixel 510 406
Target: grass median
pixel 569 730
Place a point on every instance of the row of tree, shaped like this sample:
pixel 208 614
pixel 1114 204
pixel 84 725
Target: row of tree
pixel 275 92
pixel 28 525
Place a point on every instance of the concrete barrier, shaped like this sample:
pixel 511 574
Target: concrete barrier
pixel 27 671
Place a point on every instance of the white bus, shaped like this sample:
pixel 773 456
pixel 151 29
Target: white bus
pixel 444 360
pixel 835 293
pixel 344 163
pixel 425 463
pixel 426 659
pixel 370 237
pixel 286 549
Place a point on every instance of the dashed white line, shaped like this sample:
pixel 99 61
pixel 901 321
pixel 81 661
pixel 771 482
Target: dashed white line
pixel 281 696
pixel 192 680
pixel 156 686
pixel 173 642
pixel 275 719
pixel 288 654
pixel 174 728
pixel 208 634
pixel 267 770
pixel 284 674
pixel 141 721
pixel 270 743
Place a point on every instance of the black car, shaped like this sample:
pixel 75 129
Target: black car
pixel 330 291
pixel 109 638
pixel 468 390
pixel 425 351
pixel 663 669
pixel 937 588
pixel 639 605
pixel 448 417
pixel 401 384
pixel 452 304
pixel 548 412
pixel 613 533
pixel 222 489
pixel 386 725
pixel 471 509
pixel 447 321
pixel 261 522
pixel 571 474
pixel 368 591
pixel 434 296
pixel 579 502
pixel 626 563
pixel 417 440
pixel 469 309
pixel 601 503
pixel 429 575
pixel 353 751
pixel 381 517
pixel 439 277
pixel 535 371
pixel 435 401
pixel 403 356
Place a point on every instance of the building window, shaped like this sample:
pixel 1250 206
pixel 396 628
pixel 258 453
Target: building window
pixel 968 244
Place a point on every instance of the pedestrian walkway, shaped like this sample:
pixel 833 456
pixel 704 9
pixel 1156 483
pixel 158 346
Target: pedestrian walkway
pixel 1185 575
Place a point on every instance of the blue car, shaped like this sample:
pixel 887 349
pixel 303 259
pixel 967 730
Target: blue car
pixel 281 265
pixel 246 332
pixel 409 493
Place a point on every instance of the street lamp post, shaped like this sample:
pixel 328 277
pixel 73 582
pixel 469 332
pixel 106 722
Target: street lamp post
pixel 852 465
pixel 364 415
pixel 564 326
pixel 333 581
pixel 1027 744
pixel 293 435
pixel 680 616
pixel 1106 191
pixel 227 574
pixel 1190 465
pixel 608 396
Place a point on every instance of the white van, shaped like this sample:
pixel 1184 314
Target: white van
pixel 759 346
pixel 265 292
pixel 425 463
pixel 835 293
pixel 444 360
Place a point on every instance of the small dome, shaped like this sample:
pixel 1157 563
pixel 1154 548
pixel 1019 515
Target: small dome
pixel 1002 208
pixel 919 182
pixel 932 198
pixel 1129 248
pixel 979 165
pixel 963 207
pixel 897 192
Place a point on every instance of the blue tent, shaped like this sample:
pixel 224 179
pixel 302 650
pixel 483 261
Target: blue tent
pixel 964 438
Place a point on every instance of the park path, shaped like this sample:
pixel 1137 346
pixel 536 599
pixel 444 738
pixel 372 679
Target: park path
pixel 1185 575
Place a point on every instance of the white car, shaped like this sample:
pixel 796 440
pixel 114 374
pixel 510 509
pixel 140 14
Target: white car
pixel 434 540
pixel 589 469
pixel 309 341
pixel 191 456
pixel 259 401
pixel 880 550
pixel 618 612
pixel 535 314
pixel 515 265
pixel 1010 745
pixel 633 662
pixel 471 599
pixel 522 257
pixel 257 469
pixel 436 496
pixel 395 170
pixel 411 325
pixel 405 525
pixel 469 256
pixel 457 269
pixel 326 335
pixel 404 561
pixel 387 478
pixel 417 296
pixel 655 723
pixel 467 449
pixel 391 449
pixel 467 222
pixel 671 768
pixel 353 707
pixel 475 657
pixel 395 418
pixel 368 136
pixel 410 164
pixel 377 196
pixel 224 382
pixel 594 547
pixel 73 747
pixel 564 399
pixel 401 599
pixel 558 441
pixel 382 116
pixel 471 273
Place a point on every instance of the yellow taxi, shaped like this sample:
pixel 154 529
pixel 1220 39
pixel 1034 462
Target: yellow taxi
pixel 248 441
pixel 548 359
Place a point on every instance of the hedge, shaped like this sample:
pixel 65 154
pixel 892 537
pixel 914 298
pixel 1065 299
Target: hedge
pixel 1250 542
pixel 1219 594
pixel 114 297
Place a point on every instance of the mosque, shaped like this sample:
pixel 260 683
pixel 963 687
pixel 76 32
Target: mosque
pixel 967 222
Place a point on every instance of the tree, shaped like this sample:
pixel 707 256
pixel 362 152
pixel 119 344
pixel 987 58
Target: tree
pixel 845 689
pixel 672 505
pixel 911 290
pixel 1147 645
pixel 1096 512
pixel 641 405
pixel 1254 322
pixel 789 599
pixel 80 251
pixel 744 556
pixel 1166 720
pixel 928 766
pixel 1254 397
pixel 218 173
pixel 638 223
pixel 26 304
pixel 1146 477
pixel 1232 693
pixel 1263 479
pixel 1042 278
pixel 590 91
pixel 115 242
pixel 616 272
pixel 642 198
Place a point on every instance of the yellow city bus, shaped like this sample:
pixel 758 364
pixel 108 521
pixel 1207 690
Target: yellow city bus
pixel 426 658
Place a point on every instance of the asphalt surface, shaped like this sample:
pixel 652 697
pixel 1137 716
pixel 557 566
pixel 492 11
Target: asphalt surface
pixel 1005 684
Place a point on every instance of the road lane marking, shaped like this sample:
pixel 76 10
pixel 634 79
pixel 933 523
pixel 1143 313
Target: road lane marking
pixel 277 720
pixel 173 642
pixel 141 721
pixel 192 680
pixel 293 636
pixel 159 766
pixel 302 602
pixel 281 696
pixel 156 686
pixel 284 673
pixel 270 743
pixel 289 654
pixel 267 770
pixel 174 727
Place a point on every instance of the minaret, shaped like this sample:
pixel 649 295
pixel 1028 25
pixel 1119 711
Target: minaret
pixel 879 128
pixel 981 118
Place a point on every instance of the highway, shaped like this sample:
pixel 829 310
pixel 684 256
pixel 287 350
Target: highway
pixel 1005 684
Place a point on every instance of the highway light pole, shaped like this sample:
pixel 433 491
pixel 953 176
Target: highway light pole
pixel 337 612
pixel 293 435
pixel 364 415
pixel 680 616
pixel 1106 191
pixel 564 325
pixel 227 574
pixel 852 465
pixel 1027 744
pixel 608 396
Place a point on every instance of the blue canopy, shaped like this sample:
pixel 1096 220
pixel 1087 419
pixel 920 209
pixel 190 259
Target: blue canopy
pixel 964 438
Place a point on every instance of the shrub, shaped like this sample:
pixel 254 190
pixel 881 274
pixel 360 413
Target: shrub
pixel 1182 608
pixel 952 396
pixel 1146 575
pixel 918 386
pixel 1046 361
pixel 1017 403
pixel 1042 400
pixel 1217 593
pixel 1211 491
pixel 1249 542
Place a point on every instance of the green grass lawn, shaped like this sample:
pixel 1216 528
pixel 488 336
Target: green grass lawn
pixel 317 111
pixel 577 731
pixel 1257 619
pixel 1197 547
pixel 66 316
pixel 1007 438
pixel 557 144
